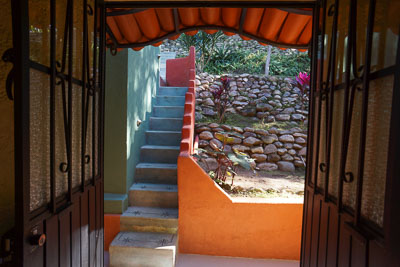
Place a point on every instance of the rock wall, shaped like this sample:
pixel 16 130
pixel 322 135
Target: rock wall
pixel 272 149
pixel 264 98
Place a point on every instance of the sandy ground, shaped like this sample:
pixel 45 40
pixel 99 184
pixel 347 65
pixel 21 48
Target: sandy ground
pixel 263 184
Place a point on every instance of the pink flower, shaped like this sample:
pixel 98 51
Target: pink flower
pixel 303 78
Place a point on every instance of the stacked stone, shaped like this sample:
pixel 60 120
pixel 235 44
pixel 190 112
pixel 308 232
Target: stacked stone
pixel 271 149
pixel 264 98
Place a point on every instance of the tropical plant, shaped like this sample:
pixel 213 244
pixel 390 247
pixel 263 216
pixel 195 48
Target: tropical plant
pixel 227 162
pixel 221 98
pixel 205 45
pixel 303 82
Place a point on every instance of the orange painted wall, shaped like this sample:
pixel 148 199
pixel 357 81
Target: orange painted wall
pixel 177 70
pixel 111 228
pixel 213 224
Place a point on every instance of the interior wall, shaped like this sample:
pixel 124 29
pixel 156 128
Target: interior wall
pixel 6 126
pixel 131 85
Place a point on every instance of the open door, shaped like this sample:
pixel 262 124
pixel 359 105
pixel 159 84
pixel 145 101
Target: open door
pixel 352 201
pixel 58 94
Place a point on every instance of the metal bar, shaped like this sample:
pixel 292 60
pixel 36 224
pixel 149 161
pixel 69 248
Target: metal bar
pixel 114 40
pixel 53 205
pixel 70 73
pixel 320 88
pixel 345 126
pixel 332 61
pixel 83 95
pixel 183 4
pixel 20 28
pixel 208 27
pixel 125 12
pixel 361 156
pixel 176 20
pixel 102 60
pixel 242 19
pixel 313 85
pixel 94 94
pixel 311 122
pixel 297 11
pixel 42 68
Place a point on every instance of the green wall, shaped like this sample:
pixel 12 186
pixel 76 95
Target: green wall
pixel 131 85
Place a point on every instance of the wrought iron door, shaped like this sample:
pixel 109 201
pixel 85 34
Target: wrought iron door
pixel 58 94
pixel 352 204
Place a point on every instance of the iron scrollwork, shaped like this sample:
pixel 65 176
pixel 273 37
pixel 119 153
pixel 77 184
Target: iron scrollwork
pixel 9 56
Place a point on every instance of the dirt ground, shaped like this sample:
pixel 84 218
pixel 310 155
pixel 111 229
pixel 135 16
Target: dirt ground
pixel 264 184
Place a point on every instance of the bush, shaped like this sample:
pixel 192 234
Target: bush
pixel 226 60
pixel 236 59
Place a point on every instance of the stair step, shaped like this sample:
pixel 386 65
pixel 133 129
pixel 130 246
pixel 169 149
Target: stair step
pixel 159 154
pixel 172 91
pixel 166 124
pixel 147 219
pixel 153 195
pixel 166 138
pixel 163 173
pixel 170 100
pixel 136 249
pixel 168 111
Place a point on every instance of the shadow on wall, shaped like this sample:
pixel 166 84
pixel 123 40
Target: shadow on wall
pixel 143 82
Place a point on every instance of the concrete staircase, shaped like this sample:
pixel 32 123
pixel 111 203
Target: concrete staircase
pixel 149 226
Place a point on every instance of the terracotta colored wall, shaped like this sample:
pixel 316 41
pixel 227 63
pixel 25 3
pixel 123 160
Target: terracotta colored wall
pixel 177 70
pixel 111 228
pixel 211 223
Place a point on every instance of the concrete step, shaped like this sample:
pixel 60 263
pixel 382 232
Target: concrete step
pixel 168 100
pixel 163 138
pixel 168 111
pixel 174 91
pixel 147 219
pixel 166 124
pixel 161 173
pixel 134 249
pixel 153 195
pixel 159 154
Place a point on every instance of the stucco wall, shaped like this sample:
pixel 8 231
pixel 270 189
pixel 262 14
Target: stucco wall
pixel 131 85
pixel 143 70
pixel 6 126
pixel 211 223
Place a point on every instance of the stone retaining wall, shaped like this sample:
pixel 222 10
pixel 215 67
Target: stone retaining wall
pixel 272 150
pixel 264 98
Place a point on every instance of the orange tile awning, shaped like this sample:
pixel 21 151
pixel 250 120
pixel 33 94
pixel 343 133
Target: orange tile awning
pixel 136 28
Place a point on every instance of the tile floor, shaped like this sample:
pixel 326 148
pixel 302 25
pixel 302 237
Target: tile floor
pixel 187 260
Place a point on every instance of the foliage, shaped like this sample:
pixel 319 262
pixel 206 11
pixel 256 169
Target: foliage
pixel 221 98
pixel 205 45
pixel 233 119
pixel 227 162
pixel 227 60
pixel 303 82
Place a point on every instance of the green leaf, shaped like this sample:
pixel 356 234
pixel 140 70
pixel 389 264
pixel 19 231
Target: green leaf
pixel 241 160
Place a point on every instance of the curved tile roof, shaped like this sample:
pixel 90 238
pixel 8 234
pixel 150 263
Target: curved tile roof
pixel 136 28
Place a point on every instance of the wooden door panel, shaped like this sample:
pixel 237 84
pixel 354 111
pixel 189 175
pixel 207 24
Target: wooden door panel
pixel 332 240
pixel 59 100
pixel 353 122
